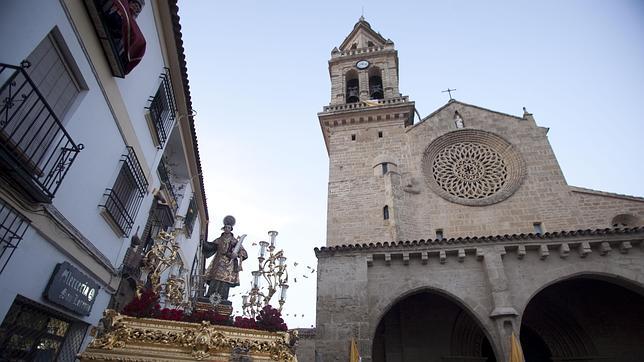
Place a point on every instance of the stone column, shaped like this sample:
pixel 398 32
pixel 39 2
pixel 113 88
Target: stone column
pixel 504 314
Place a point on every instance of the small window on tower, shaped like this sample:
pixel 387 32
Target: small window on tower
pixel 379 134
pixel 385 168
pixel 538 228
pixel 353 137
pixel 439 234
pixel 385 212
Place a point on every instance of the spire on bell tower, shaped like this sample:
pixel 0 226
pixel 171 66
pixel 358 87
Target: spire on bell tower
pixel 364 67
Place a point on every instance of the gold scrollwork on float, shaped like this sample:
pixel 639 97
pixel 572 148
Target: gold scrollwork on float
pixel 141 339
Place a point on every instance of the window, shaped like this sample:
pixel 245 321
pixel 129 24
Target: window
pixel 162 111
pixel 30 332
pixel 353 137
pixel 54 73
pixel 12 228
pixel 538 228
pixel 385 168
pixel 191 216
pixel 439 234
pixel 379 134
pixel 385 212
pixel 122 202
pixel 160 219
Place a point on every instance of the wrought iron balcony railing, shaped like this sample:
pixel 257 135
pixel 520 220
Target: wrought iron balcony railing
pixel 122 202
pixel 35 149
pixel 162 110
pixel 12 228
pixel 165 181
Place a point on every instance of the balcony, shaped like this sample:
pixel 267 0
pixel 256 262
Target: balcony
pixel 35 149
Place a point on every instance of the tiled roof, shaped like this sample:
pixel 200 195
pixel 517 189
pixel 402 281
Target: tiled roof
pixel 604 193
pixel 479 239
pixel 174 9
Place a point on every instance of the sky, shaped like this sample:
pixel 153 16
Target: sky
pixel 258 74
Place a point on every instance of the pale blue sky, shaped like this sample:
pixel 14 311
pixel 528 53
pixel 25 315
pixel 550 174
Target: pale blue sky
pixel 258 76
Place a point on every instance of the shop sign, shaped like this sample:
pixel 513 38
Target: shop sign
pixel 71 289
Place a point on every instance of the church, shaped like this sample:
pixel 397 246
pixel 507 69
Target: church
pixel 448 235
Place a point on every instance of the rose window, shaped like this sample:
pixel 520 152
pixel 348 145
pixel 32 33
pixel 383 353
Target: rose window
pixel 469 170
pixel 473 167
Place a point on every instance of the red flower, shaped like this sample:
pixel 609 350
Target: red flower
pixel 146 306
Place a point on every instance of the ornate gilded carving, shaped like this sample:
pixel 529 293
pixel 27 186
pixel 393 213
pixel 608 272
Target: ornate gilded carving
pixel 125 335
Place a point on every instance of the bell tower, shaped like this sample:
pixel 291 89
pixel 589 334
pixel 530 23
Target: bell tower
pixel 363 127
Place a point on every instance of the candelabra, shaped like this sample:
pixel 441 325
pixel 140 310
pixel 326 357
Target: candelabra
pixel 272 269
pixel 164 254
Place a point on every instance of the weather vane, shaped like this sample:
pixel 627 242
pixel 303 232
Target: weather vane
pixel 449 91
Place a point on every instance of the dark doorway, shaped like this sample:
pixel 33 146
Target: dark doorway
pixel 429 327
pixel 584 319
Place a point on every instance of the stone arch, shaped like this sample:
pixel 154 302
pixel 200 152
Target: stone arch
pixel 376 87
pixel 463 329
pixel 626 221
pixel 624 278
pixel 568 318
pixel 352 86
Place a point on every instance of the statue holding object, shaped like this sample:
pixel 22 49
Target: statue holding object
pixel 223 271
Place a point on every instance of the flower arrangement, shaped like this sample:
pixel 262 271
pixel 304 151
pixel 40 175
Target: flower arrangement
pixel 270 319
pixel 146 305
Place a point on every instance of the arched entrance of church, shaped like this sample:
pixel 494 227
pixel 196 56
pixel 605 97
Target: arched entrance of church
pixel 429 327
pixel 584 319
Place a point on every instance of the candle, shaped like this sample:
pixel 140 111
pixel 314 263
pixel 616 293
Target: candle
pixel 283 294
pixel 262 248
pixel 240 240
pixel 282 260
pixel 256 275
pixel 272 235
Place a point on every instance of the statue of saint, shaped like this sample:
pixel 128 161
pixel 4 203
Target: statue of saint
pixel 223 271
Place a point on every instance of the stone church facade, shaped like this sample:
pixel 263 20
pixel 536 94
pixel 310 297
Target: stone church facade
pixel 448 234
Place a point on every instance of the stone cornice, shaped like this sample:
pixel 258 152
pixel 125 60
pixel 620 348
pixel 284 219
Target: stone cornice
pixel 468 245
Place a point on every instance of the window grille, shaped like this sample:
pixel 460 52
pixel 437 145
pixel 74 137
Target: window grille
pixel 160 218
pixel 162 109
pixel 191 216
pixel 12 228
pixel 30 333
pixel 164 176
pixel 122 201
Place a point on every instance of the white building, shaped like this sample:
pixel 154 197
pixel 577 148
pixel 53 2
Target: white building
pixel 93 162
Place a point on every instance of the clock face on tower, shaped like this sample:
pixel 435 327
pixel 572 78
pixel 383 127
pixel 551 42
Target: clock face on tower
pixel 363 64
